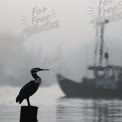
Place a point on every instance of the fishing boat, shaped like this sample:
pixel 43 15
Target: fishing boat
pixel 107 78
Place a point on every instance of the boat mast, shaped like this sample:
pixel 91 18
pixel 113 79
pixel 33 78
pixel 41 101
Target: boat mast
pixel 101 51
pixel 96 46
pixel 96 38
pixel 100 26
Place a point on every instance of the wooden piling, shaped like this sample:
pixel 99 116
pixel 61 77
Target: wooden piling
pixel 28 114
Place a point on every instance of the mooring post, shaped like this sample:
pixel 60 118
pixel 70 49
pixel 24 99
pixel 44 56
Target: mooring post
pixel 28 114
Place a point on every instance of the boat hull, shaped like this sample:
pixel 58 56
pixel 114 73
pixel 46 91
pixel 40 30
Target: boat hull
pixel 74 89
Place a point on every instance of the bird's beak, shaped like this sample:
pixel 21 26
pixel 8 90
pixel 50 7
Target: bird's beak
pixel 44 69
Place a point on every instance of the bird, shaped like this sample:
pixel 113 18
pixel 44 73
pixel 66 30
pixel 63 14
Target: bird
pixel 31 87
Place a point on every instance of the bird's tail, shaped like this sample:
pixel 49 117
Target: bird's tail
pixel 18 99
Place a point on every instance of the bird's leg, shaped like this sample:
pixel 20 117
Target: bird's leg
pixel 28 102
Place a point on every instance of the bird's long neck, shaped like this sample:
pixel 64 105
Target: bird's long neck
pixel 36 77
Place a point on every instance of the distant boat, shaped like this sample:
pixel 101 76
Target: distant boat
pixel 106 81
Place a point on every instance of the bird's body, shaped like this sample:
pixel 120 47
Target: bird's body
pixel 30 88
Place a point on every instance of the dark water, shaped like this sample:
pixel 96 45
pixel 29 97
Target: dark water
pixel 70 110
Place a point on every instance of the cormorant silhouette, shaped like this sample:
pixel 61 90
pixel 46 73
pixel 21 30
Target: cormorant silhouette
pixel 30 88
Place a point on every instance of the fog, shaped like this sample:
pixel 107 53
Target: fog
pixel 67 48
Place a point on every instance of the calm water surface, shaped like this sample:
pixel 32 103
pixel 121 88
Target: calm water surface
pixel 70 110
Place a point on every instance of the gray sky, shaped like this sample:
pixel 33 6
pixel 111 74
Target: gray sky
pixel 67 49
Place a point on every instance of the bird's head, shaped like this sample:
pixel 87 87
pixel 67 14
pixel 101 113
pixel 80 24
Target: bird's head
pixel 35 70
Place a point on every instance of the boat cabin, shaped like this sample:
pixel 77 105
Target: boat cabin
pixel 107 76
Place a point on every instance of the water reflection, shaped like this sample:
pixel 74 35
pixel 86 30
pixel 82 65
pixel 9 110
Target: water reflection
pixel 79 110
pixel 107 111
